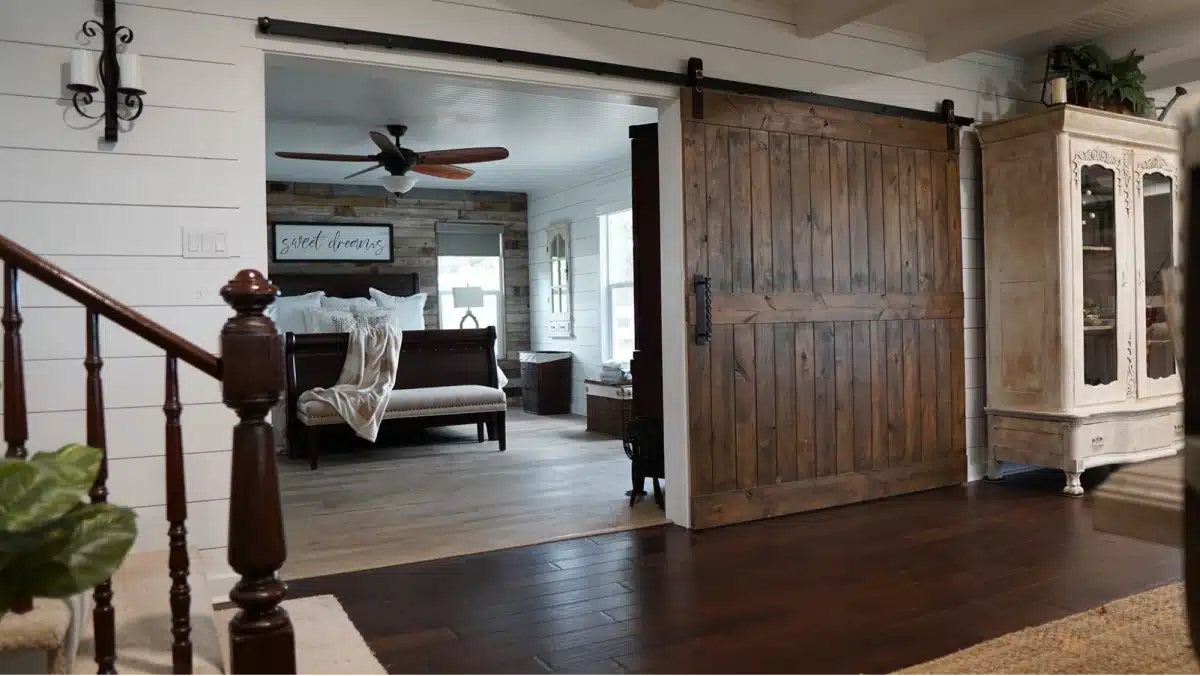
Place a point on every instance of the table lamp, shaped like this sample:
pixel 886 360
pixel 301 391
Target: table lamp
pixel 468 297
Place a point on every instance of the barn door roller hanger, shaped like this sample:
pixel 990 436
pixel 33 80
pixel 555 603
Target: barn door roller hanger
pixel 693 78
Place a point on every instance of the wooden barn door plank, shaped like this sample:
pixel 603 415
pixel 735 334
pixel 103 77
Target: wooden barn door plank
pixel 835 364
pixel 783 336
pixel 720 269
pixel 695 230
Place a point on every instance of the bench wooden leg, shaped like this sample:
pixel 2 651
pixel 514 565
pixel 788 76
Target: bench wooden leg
pixel 479 430
pixel 310 439
pixel 500 436
pixel 490 423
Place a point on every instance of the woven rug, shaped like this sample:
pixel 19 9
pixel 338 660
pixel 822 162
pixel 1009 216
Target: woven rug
pixel 326 640
pixel 1142 634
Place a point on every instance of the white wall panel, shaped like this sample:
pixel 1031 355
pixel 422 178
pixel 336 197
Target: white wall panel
pixel 168 82
pixel 90 230
pixel 579 204
pixel 140 281
pixel 207 524
pixel 96 178
pixel 740 29
pixel 52 124
pixel 156 31
pixel 136 432
pixel 59 333
pixel 58 385
pixel 142 482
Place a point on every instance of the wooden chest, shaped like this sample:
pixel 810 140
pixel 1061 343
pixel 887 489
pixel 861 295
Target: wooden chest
pixel 608 407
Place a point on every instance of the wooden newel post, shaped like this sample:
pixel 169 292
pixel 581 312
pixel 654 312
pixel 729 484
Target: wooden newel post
pixel 260 634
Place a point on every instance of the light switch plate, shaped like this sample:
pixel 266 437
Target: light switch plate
pixel 205 243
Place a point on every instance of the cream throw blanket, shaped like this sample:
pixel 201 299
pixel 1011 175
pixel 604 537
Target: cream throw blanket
pixel 361 394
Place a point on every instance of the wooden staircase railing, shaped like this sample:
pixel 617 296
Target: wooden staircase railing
pixel 250 371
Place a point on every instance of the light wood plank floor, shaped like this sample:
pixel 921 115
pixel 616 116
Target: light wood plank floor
pixel 447 495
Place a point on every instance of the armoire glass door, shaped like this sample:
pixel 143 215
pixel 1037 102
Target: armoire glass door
pixel 1157 212
pixel 1104 339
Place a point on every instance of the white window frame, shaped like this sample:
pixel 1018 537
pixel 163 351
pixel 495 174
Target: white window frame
pixel 606 287
pixel 501 346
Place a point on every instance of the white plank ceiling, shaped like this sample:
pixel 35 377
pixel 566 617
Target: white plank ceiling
pixel 1164 30
pixel 553 135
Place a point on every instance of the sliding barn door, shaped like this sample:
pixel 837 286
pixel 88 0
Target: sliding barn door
pixel 834 372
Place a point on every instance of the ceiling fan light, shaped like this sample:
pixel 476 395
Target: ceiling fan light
pixel 399 184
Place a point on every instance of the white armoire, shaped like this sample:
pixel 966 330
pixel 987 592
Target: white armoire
pixel 1081 215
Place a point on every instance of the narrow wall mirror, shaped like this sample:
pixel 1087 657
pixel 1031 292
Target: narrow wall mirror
pixel 558 246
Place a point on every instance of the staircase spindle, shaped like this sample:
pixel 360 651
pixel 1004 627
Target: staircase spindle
pixel 181 593
pixel 261 640
pixel 103 617
pixel 16 431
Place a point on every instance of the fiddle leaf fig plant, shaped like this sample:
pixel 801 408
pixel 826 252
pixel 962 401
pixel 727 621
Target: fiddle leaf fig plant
pixel 53 544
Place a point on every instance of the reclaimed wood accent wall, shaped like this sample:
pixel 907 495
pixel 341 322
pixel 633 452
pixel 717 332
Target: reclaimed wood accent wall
pixel 414 218
pixel 835 371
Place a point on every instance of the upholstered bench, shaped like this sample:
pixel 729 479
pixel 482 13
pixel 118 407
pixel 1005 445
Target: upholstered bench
pixel 442 378
pixel 480 401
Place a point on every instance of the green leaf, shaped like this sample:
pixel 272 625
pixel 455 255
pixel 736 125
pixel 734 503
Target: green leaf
pixel 27 541
pixel 37 491
pixel 85 549
pixel 75 464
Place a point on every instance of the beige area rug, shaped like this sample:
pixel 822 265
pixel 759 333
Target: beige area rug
pixel 326 640
pixel 1142 634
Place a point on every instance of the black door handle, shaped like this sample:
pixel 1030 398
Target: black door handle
pixel 703 288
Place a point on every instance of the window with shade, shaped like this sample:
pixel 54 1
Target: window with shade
pixel 470 278
pixel 617 229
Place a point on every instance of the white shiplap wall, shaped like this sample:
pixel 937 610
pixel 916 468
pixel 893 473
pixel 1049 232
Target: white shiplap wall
pixel 197 158
pixel 578 204
pixel 114 216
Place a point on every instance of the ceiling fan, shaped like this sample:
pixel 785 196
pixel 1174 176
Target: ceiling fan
pixel 399 161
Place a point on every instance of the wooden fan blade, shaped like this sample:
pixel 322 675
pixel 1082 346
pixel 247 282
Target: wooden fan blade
pixel 329 157
pixel 462 156
pixel 443 171
pixel 363 171
pixel 385 144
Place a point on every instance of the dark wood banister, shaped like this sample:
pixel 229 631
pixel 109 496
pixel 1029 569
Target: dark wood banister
pixel 260 634
pixel 108 307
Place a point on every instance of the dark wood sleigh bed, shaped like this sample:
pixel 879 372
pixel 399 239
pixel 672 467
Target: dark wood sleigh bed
pixel 430 358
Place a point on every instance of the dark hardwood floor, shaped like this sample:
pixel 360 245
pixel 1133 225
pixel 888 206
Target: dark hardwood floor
pixel 867 588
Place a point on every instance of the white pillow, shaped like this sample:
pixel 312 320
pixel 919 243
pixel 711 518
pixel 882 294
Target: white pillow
pixel 288 311
pixel 324 320
pixel 410 310
pixel 350 304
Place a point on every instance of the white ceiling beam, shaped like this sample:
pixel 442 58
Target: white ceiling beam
pixel 646 4
pixel 1172 67
pixel 815 18
pixel 1001 22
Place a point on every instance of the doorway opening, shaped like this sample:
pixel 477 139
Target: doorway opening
pixel 537 247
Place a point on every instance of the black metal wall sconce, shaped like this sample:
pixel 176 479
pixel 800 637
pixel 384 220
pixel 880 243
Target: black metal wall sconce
pixel 120 76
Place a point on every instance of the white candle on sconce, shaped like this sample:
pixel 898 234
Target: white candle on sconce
pixel 1058 90
pixel 130 66
pixel 83 70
